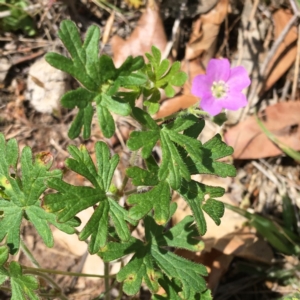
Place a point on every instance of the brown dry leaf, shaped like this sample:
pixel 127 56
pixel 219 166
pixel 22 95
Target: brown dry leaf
pixel 205 32
pixel 107 29
pixel 245 244
pixel 286 53
pixel 281 119
pixel 149 31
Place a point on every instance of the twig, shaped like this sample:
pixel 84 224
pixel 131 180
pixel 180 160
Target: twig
pixel 246 32
pixel 268 58
pixel 171 43
pixel 7 13
pixel 296 73
pixel 294 6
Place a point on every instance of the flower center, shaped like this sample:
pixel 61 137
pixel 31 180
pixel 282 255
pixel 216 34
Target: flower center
pixel 219 89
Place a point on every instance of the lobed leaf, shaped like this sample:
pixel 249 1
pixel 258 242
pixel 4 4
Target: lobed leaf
pixel 157 199
pixel 70 200
pixel 212 150
pixel 195 194
pixel 20 195
pixel 99 78
pixel 162 76
pixel 22 286
pixel 152 259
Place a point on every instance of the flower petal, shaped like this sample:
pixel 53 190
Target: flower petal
pixel 211 105
pixel 234 100
pixel 218 69
pixel 238 79
pixel 200 86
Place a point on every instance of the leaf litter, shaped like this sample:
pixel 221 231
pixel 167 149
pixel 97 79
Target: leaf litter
pixel 209 30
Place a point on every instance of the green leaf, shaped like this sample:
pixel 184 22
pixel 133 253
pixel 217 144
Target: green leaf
pixel 162 76
pixel 3 255
pixel 143 139
pixel 158 199
pixel 171 289
pixel 182 235
pixel 106 121
pixel 20 195
pixel 151 259
pixel 99 78
pixel 84 63
pixel 80 97
pixel 212 151
pixel 19 19
pixel 144 177
pixel 195 194
pixel 22 286
pixel 70 199
pixel 83 119
pixel 172 168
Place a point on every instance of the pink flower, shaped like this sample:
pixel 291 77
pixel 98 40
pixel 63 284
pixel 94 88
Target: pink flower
pixel 221 87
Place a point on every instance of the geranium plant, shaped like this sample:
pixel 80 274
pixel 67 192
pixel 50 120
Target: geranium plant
pixel 105 89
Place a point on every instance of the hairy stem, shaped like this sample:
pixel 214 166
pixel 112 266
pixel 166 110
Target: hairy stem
pixel 57 288
pixel 28 254
pixel 106 280
pixel 66 273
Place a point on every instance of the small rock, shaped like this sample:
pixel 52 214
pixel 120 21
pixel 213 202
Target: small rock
pixel 4 67
pixel 45 86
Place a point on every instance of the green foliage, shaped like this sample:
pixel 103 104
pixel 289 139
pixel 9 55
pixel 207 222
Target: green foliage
pixel 281 238
pixel 161 76
pixel 182 156
pixel 18 19
pixel 70 199
pixel 152 259
pixel 194 193
pixel 20 194
pixel 105 89
pixel 99 78
pixel 22 286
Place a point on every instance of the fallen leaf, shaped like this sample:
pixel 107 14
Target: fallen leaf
pixel 286 53
pixel 148 32
pixel 203 39
pixel 200 49
pixel 246 244
pixel 107 29
pixel 281 119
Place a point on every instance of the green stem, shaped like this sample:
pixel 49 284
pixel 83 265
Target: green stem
pixel 127 193
pixel 35 271
pixel 124 183
pixel 29 254
pixel 126 178
pixel 193 110
pixel 172 116
pixel 57 288
pixel 66 273
pixel 106 280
